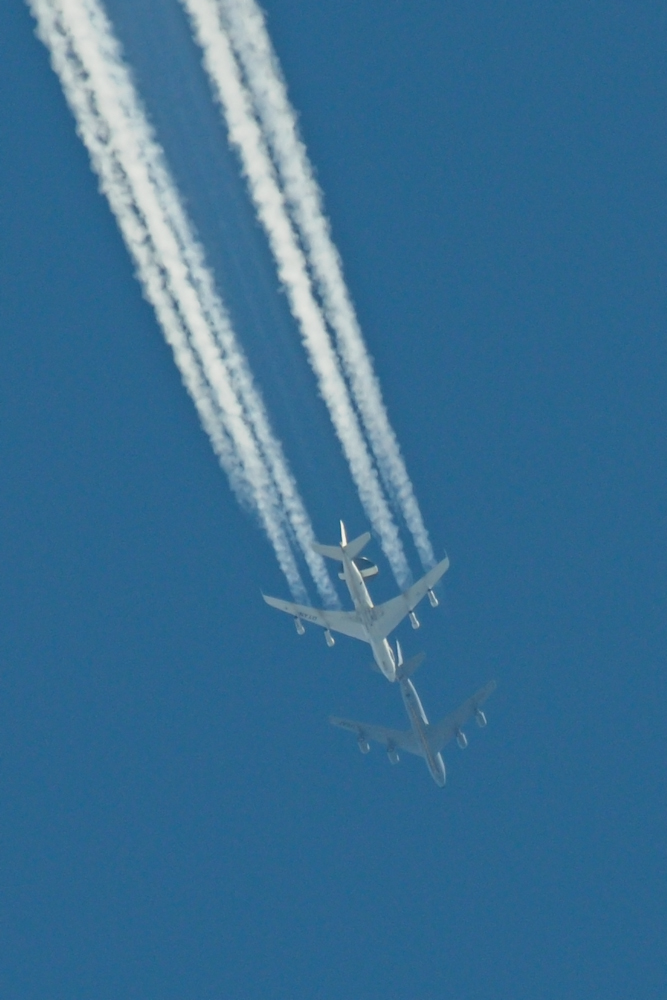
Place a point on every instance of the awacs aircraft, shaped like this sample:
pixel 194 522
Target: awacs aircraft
pixel 368 622
pixel 423 739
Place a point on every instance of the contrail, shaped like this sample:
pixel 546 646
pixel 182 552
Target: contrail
pixel 245 134
pixel 247 31
pixel 170 266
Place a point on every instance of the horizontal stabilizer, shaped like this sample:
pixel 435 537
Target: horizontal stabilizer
pixel 354 547
pixel 351 549
pixel 408 668
pixel 328 551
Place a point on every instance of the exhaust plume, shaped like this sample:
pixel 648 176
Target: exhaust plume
pixel 245 134
pixel 175 280
pixel 249 36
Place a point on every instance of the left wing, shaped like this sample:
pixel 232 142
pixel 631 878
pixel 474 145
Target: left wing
pixel 345 622
pixel 445 730
pixel 397 739
pixel 388 615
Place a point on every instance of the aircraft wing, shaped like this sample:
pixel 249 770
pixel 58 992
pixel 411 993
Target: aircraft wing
pixel 445 730
pixel 346 622
pixel 391 738
pixel 388 615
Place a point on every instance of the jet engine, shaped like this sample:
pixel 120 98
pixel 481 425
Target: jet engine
pixel 328 638
pixel 363 744
pixel 432 599
pixel 299 626
pixel 480 718
pixel 392 754
pixel 461 739
pixel 414 621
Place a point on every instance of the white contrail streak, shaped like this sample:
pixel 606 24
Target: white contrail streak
pixel 244 132
pixel 247 30
pixel 170 266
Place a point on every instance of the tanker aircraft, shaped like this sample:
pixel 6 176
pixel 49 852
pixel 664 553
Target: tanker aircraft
pixel 423 739
pixel 368 622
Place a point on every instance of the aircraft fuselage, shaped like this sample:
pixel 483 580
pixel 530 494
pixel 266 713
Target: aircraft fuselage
pixel 419 723
pixel 383 654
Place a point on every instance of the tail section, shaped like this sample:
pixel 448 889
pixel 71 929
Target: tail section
pixel 354 547
pixel 351 549
pixel 329 551
pixel 407 668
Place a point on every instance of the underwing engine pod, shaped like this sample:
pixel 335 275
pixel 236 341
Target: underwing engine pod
pixel 461 739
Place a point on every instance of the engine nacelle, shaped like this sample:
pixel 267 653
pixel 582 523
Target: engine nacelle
pixel 414 621
pixel 392 754
pixel 461 739
pixel 480 718
pixel 432 599
pixel 328 638
pixel 363 744
pixel 299 626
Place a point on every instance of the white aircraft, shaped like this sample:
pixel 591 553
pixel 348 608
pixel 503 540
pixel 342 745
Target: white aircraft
pixel 423 739
pixel 368 622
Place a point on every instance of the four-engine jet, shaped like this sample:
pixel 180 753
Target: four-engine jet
pixel 368 622
pixel 423 739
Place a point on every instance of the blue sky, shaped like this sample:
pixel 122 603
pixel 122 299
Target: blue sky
pixel 177 818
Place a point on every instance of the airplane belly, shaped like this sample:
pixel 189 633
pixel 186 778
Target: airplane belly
pixel 384 658
pixel 413 705
pixel 434 762
pixel 436 766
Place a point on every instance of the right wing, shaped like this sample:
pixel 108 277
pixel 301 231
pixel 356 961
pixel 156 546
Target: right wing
pixel 388 615
pixel 345 622
pixel 445 730
pixel 390 738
